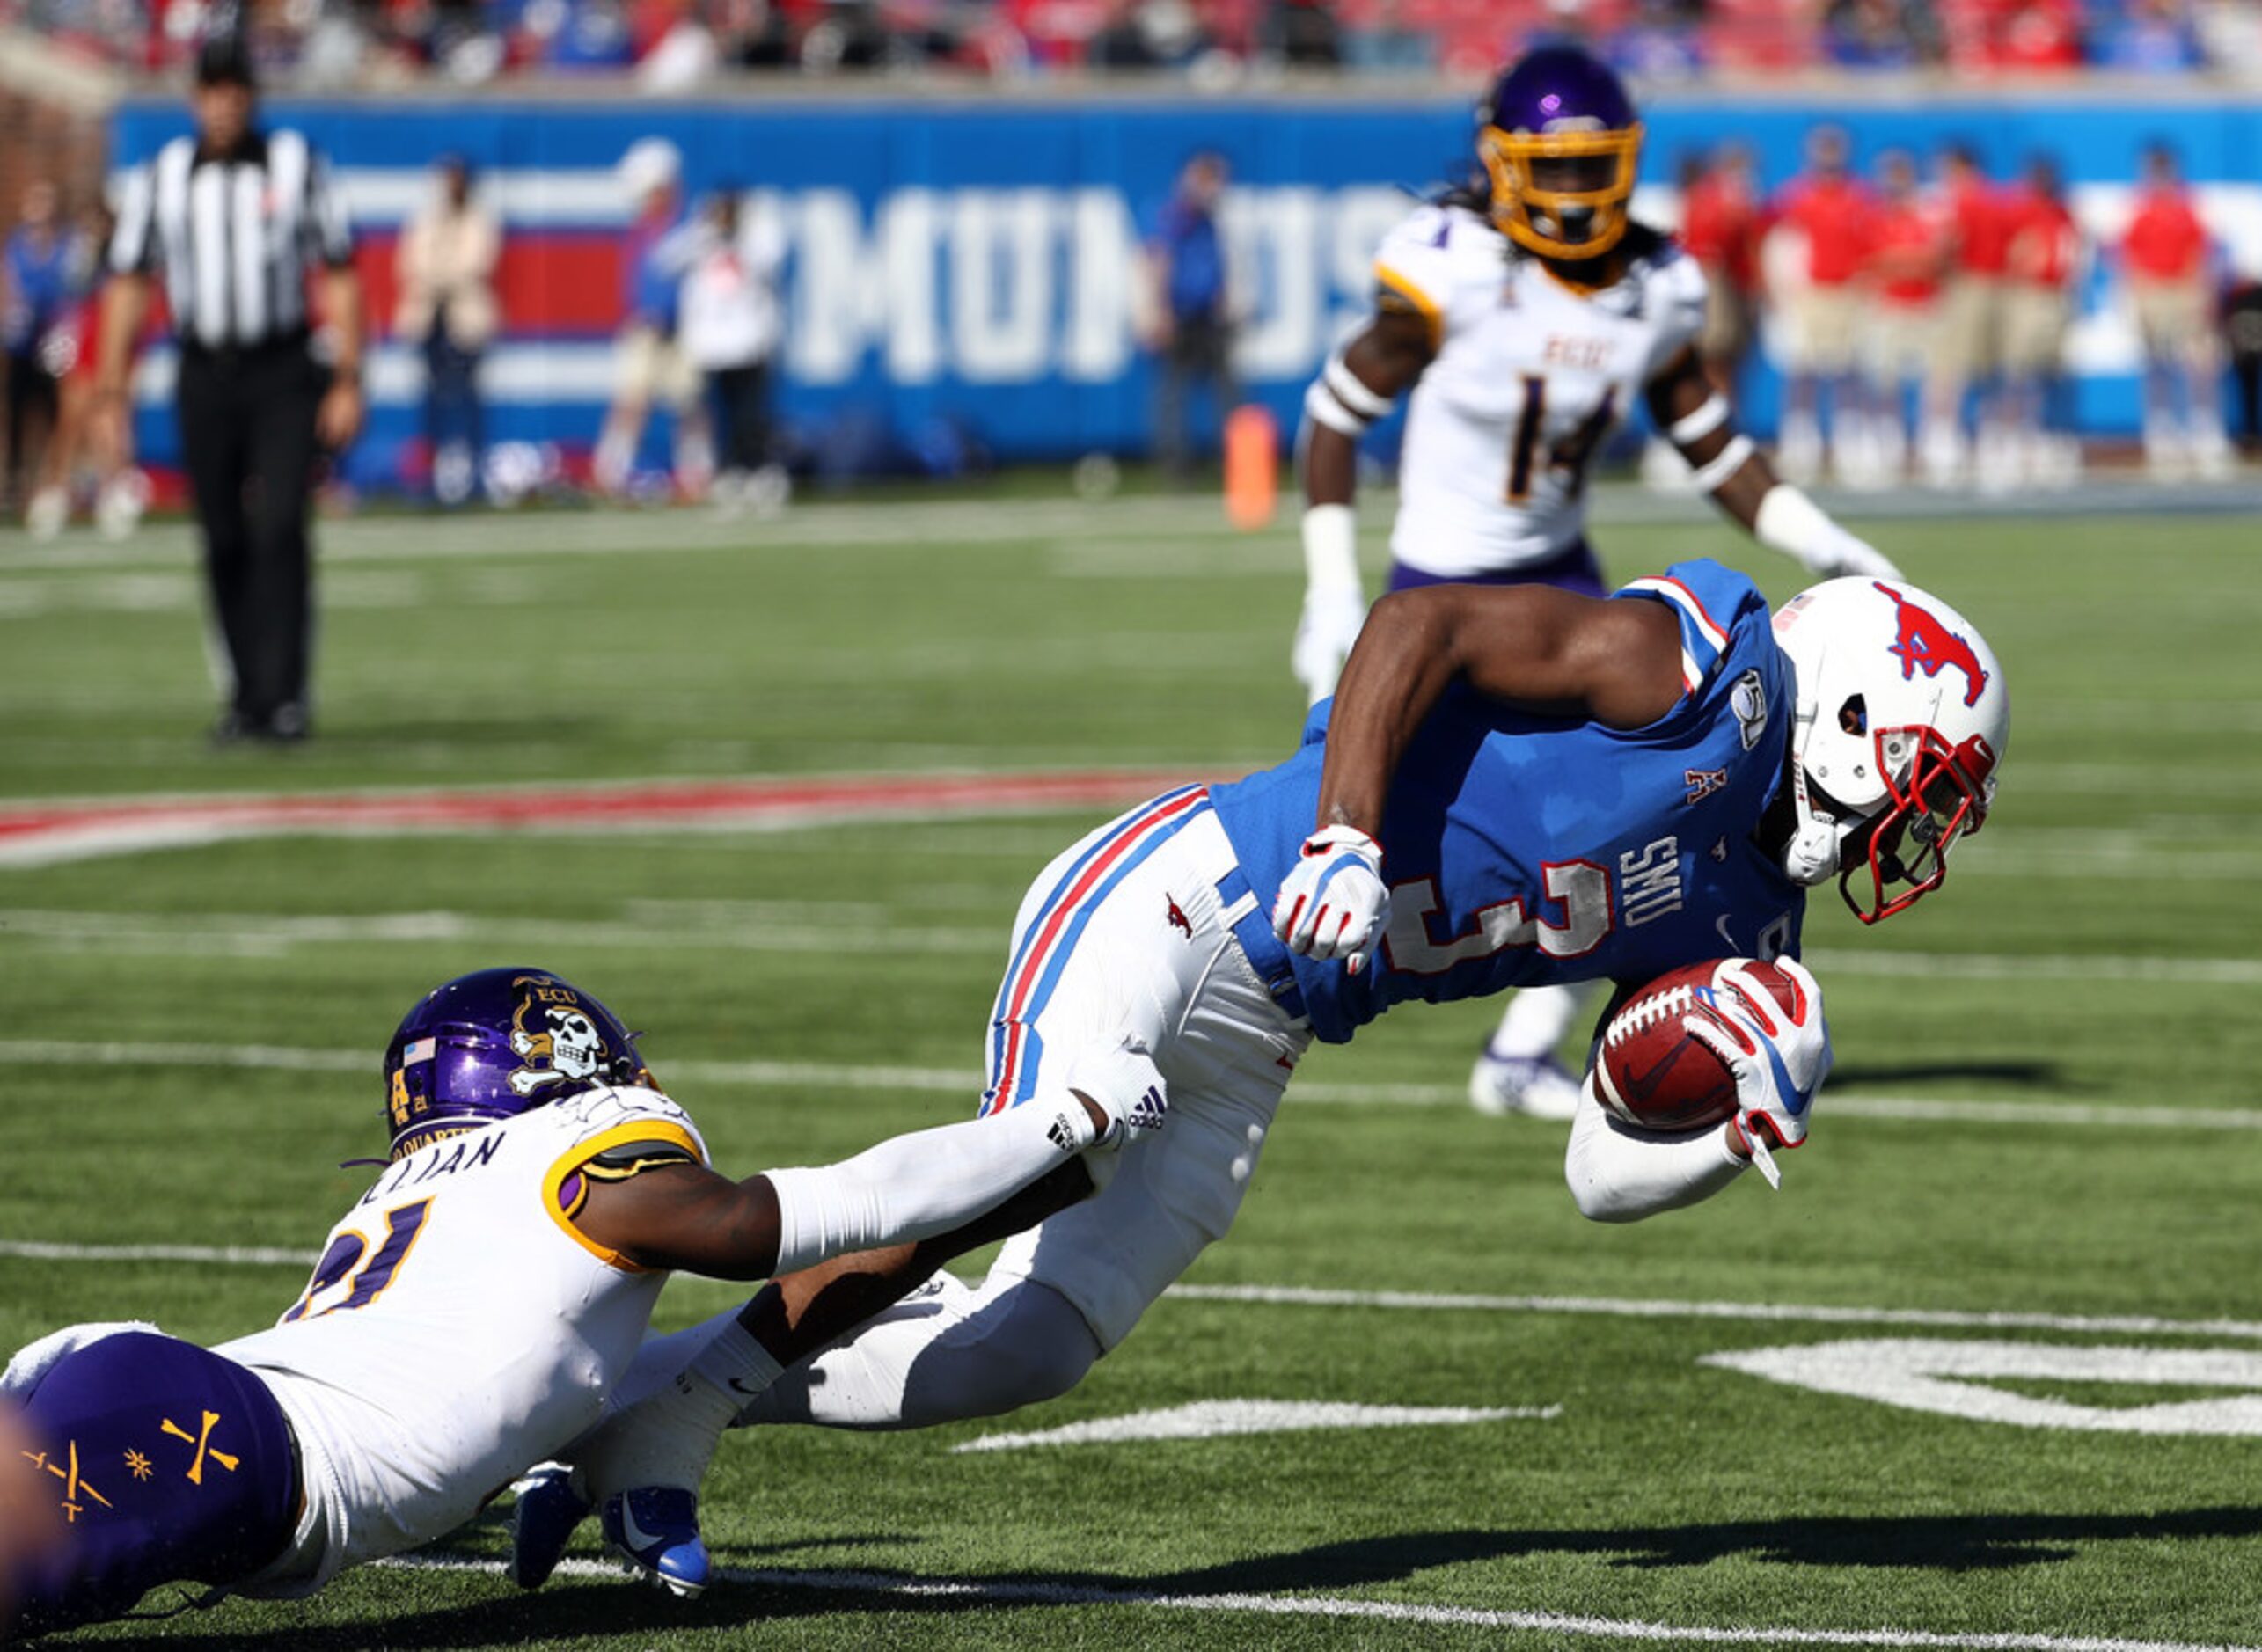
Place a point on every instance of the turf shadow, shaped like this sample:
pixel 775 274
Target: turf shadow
pixel 2043 1075
pixel 1940 1543
pixel 571 1608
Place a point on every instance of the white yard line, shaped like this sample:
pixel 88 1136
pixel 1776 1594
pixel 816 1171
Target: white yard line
pixel 1564 1625
pixel 822 1075
pixel 1392 1301
pixel 814 926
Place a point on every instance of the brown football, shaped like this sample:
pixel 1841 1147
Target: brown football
pixel 1652 1073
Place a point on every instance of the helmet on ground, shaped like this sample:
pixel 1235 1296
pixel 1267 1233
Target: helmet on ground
pixel 493 1044
pixel 1899 720
pixel 1560 141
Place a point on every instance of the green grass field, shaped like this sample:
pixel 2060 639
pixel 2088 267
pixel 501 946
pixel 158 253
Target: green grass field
pixel 2043 1111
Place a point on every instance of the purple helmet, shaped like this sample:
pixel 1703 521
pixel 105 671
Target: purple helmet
pixel 1560 141
pixel 493 1044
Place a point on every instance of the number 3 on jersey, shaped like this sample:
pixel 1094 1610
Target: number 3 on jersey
pixel 1572 453
pixel 1579 888
pixel 402 1224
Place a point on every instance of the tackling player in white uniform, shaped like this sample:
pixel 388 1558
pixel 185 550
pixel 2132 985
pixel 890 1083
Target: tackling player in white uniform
pixel 474 1311
pixel 1526 321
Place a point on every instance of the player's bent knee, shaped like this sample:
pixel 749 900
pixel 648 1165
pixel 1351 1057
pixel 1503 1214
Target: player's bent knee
pixel 1026 1344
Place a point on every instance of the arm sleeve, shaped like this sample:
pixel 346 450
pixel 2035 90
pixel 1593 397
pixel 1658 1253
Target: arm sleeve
pixel 1621 1175
pixel 917 1185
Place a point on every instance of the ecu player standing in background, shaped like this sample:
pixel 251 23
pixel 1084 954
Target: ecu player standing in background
pixel 1525 322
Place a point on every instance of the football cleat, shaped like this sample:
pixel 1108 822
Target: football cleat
pixel 542 1522
pixel 655 1529
pixel 1537 1086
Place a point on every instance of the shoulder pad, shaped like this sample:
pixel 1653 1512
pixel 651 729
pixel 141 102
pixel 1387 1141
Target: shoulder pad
pixel 620 1160
pixel 1420 263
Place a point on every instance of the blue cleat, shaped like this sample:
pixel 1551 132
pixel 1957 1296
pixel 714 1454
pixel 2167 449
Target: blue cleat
pixel 542 1522
pixel 656 1530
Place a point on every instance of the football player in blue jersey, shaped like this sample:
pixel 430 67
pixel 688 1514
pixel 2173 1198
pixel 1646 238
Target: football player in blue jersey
pixel 1513 785
pixel 1523 319
pixel 473 1311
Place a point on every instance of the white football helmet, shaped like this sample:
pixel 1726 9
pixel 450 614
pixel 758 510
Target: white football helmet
pixel 1899 717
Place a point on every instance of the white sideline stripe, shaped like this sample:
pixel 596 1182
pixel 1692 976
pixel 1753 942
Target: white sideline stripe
pixel 1783 1312
pixel 2243 972
pixel 821 1075
pixel 1215 1419
pixel 1417 1301
pixel 1376 1611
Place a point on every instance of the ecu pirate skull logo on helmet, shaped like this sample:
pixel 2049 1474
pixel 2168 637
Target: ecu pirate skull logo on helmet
pixel 566 1042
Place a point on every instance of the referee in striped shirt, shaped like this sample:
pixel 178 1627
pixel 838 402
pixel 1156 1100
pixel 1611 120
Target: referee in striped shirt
pixel 236 219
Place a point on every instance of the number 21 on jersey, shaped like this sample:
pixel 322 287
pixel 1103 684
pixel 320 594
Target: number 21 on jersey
pixel 343 1260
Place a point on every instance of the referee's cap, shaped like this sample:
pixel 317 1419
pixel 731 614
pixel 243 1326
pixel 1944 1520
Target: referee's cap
pixel 651 163
pixel 225 60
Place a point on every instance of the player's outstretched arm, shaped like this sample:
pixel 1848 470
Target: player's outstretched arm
pixel 1355 388
pixel 682 1216
pixel 1533 645
pixel 1742 480
pixel 1617 1173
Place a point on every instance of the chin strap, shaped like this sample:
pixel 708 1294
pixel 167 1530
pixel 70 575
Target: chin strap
pixel 1810 857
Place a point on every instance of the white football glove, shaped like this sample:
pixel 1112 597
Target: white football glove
pixel 1325 633
pixel 1788 521
pixel 1125 1085
pixel 1779 1059
pixel 1333 902
pixel 1850 554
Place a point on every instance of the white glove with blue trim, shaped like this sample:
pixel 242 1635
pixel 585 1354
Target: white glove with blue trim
pixel 1779 1059
pixel 1333 902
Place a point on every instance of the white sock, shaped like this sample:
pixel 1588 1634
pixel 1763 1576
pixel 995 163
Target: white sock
pixel 1537 1019
pixel 668 1437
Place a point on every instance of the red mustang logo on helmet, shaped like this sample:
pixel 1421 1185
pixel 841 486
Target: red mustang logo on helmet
pixel 1926 645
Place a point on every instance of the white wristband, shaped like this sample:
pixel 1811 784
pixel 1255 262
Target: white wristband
pixel 1788 521
pixel 1709 416
pixel 1331 551
pixel 1351 390
pixel 1323 407
pixel 1715 472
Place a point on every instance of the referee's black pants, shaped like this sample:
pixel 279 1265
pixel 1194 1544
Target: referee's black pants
pixel 247 438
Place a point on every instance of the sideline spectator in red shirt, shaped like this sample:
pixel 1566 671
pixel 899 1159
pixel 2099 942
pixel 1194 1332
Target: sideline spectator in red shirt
pixel 1971 320
pixel 1907 256
pixel 2165 255
pixel 2043 252
pixel 1820 294
pixel 1720 229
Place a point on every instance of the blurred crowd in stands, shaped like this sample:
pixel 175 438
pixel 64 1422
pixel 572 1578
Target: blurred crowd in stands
pixel 1921 311
pixel 668 43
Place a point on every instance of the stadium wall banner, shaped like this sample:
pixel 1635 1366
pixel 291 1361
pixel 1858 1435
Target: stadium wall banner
pixel 961 277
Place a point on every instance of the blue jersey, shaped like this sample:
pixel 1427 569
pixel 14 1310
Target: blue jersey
pixel 1523 849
